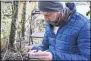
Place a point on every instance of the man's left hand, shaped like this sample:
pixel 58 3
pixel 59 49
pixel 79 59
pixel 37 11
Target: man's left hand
pixel 44 55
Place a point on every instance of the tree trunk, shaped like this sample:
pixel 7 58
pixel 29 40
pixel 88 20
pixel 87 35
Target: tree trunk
pixel 23 18
pixel 13 24
pixel 0 23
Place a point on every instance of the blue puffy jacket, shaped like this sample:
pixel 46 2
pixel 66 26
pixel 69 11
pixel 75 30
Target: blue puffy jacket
pixel 72 41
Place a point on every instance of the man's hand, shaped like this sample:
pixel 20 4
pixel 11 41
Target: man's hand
pixel 43 55
pixel 28 48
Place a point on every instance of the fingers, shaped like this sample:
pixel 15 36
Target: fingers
pixel 46 56
pixel 32 54
pixel 33 51
pixel 40 53
pixel 28 47
pixel 43 58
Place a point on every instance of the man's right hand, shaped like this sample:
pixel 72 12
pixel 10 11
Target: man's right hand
pixel 29 47
pixel 32 54
pixel 32 51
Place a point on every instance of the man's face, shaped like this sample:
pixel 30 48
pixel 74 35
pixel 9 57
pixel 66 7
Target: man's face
pixel 51 17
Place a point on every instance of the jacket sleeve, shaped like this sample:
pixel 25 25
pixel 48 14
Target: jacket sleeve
pixel 83 46
pixel 44 45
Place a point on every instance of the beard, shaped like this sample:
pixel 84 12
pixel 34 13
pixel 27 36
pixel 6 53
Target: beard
pixel 59 20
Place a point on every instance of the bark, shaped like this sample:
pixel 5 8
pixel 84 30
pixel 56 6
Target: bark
pixel 23 18
pixel 13 23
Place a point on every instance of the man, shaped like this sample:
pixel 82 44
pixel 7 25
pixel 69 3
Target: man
pixel 67 35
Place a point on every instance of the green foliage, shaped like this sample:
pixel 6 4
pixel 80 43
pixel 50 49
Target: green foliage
pixel 6 10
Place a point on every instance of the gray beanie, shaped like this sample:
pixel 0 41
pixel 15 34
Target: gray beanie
pixel 50 6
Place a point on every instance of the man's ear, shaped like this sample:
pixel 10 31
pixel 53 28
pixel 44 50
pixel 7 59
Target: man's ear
pixel 63 12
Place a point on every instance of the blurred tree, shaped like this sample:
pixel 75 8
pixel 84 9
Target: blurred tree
pixel 13 24
pixel 23 18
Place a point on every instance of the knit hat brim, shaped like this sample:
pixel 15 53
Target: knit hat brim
pixel 50 6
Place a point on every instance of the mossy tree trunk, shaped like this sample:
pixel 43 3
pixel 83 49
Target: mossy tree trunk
pixel 23 18
pixel 13 24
